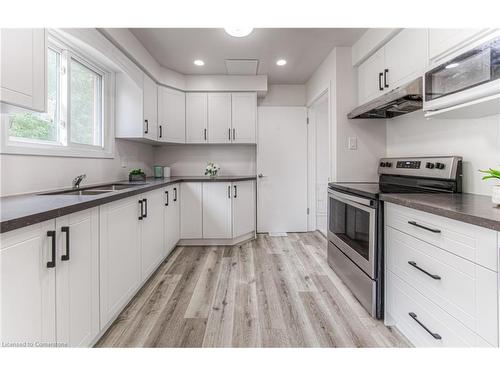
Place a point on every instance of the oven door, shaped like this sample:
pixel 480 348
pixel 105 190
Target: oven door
pixel 351 227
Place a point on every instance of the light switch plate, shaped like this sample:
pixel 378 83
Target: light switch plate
pixel 352 143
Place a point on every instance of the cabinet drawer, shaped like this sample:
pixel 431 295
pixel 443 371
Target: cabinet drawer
pixel 403 300
pixel 471 242
pixel 463 289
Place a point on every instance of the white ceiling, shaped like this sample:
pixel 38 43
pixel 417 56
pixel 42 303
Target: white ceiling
pixel 304 49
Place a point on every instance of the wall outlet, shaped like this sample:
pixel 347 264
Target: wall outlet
pixel 352 143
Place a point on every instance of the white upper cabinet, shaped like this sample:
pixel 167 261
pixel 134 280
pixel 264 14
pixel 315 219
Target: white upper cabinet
pixel 405 57
pixel 136 110
pixel 243 195
pixel 217 210
pixel 219 117
pixel 444 41
pixel 400 60
pixel 244 117
pixel 27 284
pixel 371 77
pixel 171 115
pixel 77 278
pixel 23 76
pixel 191 210
pixel 196 117
pixel 150 97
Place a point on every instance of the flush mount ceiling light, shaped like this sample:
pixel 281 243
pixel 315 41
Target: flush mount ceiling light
pixel 281 62
pixel 238 32
pixel 198 62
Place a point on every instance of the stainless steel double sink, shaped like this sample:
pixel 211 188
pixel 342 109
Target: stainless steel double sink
pixel 95 190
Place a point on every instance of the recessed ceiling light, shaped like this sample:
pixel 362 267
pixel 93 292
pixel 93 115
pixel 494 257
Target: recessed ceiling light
pixel 198 62
pixel 281 62
pixel 238 32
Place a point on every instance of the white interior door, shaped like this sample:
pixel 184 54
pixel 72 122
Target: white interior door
pixel 322 167
pixel 282 163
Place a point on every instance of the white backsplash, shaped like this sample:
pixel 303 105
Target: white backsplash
pixel 191 160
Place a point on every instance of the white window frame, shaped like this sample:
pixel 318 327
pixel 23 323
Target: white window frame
pixel 64 146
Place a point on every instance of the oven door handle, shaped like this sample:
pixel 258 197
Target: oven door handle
pixel 350 199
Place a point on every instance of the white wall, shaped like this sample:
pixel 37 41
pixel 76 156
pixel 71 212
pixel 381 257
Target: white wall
pixel 284 95
pixel 477 141
pixel 337 75
pixel 191 160
pixel 28 173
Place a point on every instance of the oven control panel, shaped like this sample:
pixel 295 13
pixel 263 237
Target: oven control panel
pixel 439 167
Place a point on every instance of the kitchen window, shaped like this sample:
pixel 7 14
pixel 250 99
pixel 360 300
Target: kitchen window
pixel 78 121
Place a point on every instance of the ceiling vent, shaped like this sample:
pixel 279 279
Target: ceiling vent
pixel 241 67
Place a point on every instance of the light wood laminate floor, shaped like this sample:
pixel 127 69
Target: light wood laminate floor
pixel 270 292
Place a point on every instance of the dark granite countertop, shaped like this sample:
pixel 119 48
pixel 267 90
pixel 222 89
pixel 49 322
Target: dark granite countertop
pixel 22 210
pixel 469 208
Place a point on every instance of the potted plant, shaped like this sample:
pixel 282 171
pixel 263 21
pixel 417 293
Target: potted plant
pixel 137 175
pixel 493 173
pixel 211 169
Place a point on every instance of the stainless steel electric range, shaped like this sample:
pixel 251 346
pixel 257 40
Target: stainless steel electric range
pixel 356 219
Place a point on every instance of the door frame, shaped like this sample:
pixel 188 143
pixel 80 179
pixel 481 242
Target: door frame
pixel 311 155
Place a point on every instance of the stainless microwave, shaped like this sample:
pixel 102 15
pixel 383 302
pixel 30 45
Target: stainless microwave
pixel 468 76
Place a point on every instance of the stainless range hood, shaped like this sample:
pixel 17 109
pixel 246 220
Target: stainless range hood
pixel 402 100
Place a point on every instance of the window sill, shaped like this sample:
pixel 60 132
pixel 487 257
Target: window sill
pixel 37 150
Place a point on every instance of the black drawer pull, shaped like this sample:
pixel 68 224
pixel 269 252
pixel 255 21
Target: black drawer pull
pixel 385 78
pixel 414 317
pixel 414 264
pixel 52 263
pixel 235 191
pixel 66 256
pixel 142 209
pixel 166 193
pixel 175 194
pixel 161 133
pixel 414 223
pixel 146 122
pixel 380 81
pixel 145 207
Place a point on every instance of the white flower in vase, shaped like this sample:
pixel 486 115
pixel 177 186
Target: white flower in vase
pixel 211 169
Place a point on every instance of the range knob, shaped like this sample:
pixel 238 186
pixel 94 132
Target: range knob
pixel 440 165
pixel 429 165
pixel 388 164
pixel 382 164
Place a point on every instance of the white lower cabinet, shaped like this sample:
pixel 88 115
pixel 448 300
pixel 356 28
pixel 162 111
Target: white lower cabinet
pixel 217 210
pixel 191 210
pixel 152 227
pixel 243 208
pixel 437 294
pixel 49 282
pixel 120 255
pixel 172 217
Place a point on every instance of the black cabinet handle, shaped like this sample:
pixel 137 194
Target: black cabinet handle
pixel 52 262
pixel 142 209
pixel 205 133
pixel 385 78
pixel 147 127
pixel 414 264
pixel 380 81
pixel 145 207
pixel 414 317
pixel 166 193
pixel 175 194
pixel 415 224
pixel 234 134
pixel 161 133
pixel 66 256
pixel 235 191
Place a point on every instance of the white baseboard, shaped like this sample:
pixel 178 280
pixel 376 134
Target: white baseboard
pixel 217 241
